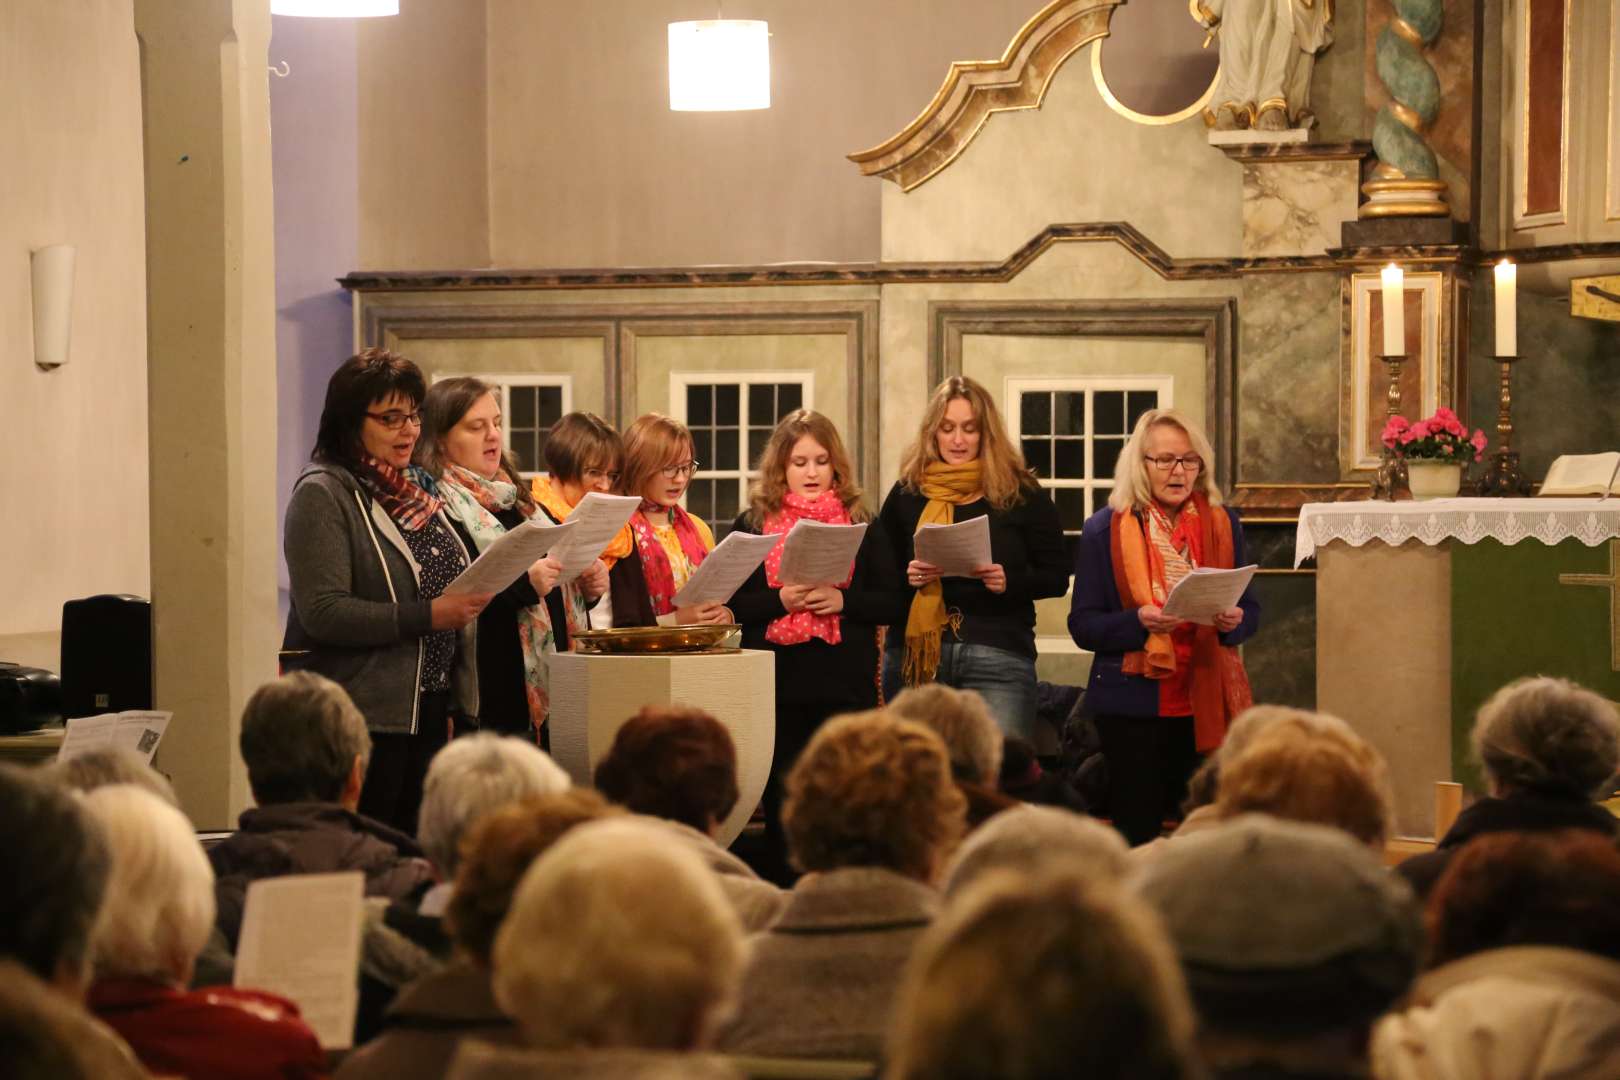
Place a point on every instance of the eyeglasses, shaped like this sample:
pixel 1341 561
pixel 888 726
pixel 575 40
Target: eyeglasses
pixel 393 419
pixel 592 475
pixel 684 469
pixel 1192 463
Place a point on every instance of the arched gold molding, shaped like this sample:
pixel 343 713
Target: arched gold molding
pixel 974 89
pixel 1143 118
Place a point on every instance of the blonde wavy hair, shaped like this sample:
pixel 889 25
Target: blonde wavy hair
pixel 1005 476
pixel 653 442
pixel 1133 490
pixel 766 495
pixel 1311 768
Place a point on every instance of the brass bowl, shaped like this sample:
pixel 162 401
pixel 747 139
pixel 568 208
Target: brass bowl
pixel 652 640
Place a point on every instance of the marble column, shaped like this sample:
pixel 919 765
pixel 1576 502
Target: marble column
pixel 212 383
pixel 1406 182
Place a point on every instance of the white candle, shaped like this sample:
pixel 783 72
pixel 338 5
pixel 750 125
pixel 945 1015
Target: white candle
pixel 1394 310
pixel 1507 315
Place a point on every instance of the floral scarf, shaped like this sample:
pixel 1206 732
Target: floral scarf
pixel 408 495
pixel 946 487
pixel 475 500
pixel 655 566
pixel 547 495
pixel 801 626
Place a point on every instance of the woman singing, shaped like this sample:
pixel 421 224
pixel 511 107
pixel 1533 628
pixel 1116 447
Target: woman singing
pixel 1162 690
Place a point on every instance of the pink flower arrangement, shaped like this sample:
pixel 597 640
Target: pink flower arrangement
pixel 1440 437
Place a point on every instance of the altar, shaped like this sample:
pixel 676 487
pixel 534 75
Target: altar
pixel 1423 609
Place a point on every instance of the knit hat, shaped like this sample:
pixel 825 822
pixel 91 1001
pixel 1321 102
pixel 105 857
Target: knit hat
pixel 1284 928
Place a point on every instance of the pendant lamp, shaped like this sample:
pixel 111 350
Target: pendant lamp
pixel 719 65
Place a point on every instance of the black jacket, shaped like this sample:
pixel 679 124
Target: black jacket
pixel 1522 812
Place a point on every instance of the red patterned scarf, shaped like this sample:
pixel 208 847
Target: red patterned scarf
pixel 400 491
pixel 655 560
pixel 801 626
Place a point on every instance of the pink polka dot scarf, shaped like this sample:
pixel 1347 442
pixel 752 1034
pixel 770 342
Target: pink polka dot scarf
pixel 800 626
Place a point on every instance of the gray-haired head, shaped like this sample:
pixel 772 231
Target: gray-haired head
pixel 1027 839
pixel 963 721
pixel 300 736
pixel 53 874
pixel 1549 735
pixel 108 765
pixel 473 776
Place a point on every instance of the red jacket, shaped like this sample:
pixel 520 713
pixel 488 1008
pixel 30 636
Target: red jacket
pixel 216 1033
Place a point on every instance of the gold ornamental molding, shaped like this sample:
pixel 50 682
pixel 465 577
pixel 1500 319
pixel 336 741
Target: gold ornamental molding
pixel 975 89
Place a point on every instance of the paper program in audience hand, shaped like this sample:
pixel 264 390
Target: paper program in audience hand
pixel 301 939
pixel 1206 592
pixel 596 521
pixel 816 553
pixel 724 569
pixel 137 731
pixel 956 549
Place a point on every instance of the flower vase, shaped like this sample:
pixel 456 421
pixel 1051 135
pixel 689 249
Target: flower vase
pixel 1433 479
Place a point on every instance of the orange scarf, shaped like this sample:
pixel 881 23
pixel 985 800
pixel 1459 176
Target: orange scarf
pixel 559 509
pixel 1219 686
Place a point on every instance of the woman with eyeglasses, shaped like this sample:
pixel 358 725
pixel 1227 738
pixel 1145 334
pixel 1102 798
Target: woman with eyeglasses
pixel 463 449
pixel 669 542
pixel 369 551
pixel 1162 690
pixel 974 633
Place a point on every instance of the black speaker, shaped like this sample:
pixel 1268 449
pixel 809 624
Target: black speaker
pixel 106 655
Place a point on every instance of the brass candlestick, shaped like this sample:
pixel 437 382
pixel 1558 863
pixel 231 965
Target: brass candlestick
pixel 1503 476
pixel 1390 479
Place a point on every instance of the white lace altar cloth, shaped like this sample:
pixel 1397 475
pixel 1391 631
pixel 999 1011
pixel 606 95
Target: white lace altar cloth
pixel 1548 521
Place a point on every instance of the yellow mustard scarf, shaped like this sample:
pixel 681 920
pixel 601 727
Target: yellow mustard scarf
pixel 946 487
pixel 559 508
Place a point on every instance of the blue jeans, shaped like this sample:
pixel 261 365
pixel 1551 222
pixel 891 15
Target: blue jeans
pixel 1006 680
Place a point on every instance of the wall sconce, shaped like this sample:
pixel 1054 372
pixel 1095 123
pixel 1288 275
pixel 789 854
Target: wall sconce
pixel 53 304
pixel 719 65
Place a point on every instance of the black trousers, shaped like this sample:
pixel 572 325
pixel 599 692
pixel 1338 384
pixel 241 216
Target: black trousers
pixel 796 722
pixel 1149 760
pixel 399 763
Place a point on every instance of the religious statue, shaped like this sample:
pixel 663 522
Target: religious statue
pixel 1268 48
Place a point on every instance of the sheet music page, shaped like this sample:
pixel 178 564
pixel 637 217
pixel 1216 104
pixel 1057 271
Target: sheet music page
pixel 724 570
pixel 510 557
pixel 816 553
pixel 955 549
pixel 596 520
pixel 138 731
pixel 301 939
pixel 1206 592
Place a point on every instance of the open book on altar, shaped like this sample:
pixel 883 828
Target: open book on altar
pixel 1584 474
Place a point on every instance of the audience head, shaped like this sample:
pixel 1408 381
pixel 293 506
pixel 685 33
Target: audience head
pixel 963 722
pixel 496 853
pixel 160 895
pixel 461 425
pixel 1548 736
pixel 672 762
pixel 43 1037
pixel 303 740
pixel 1028 839
pixel 110 765
pixel 1313 769
pixel 658 462
pixel 53 876
pixel 872 789
pixel 371 408
pixel 469 778
pixel 1164 435
pixel 805 456
pixel 1205 780
pixel 583 454
pixel 1043 978
pixel 618 939
pixel 1286 931
pixel 960 425
pixel 1558 888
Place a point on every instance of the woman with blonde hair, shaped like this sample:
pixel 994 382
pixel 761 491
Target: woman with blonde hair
pixel 824 636
pixel 962 465
pixel 669 542
pixel 1163 691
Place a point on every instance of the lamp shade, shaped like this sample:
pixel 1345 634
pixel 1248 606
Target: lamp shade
pixel 719 65
pixel 335 9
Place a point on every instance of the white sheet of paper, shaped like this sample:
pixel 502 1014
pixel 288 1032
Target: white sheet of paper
pixel 301 939
pixel 724 570
pixel 1206 592
pixel 596 520
pixel 816 553
pixel 510 557
pixel 955 549
pixel 138 731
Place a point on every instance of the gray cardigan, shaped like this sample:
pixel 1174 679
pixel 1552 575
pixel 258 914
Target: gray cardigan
pixel 356 615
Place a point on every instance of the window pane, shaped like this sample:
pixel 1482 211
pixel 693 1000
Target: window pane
pixel 550 405
pixel 1071 546
pixel 1035 413
pixel 726 398
pixel 789 396
pixel 762 403
pixel 1071 507
pixel 700 499
pixel 1070 459
pixel 725 448
pixel 526 448
pixel 1099 497
pixel 536 463
pixel 703 447
pixel 757 438
pixel 700 404
pixel 1069 413
pixel 1038 456
pixel 725 500
pixel 1140 402
pixel 523 407
pixel 1108 411
pixel 1105 454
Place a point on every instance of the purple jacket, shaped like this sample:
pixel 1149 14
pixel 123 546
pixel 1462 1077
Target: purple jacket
pixel 1100 623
